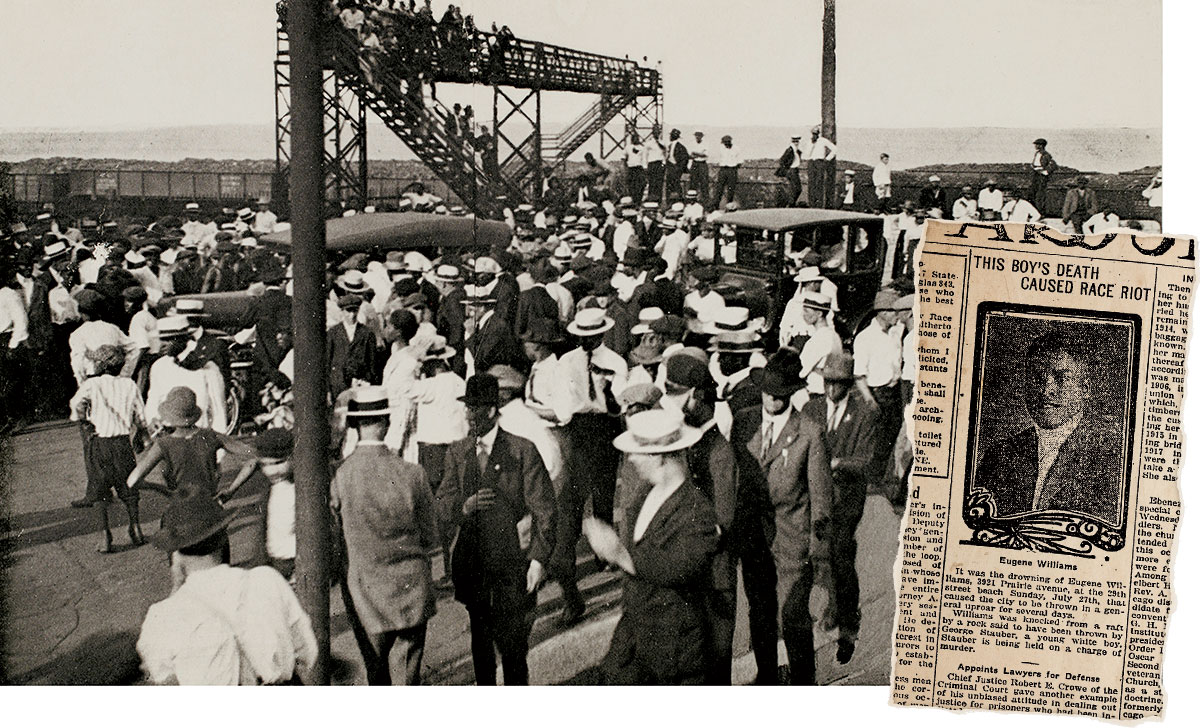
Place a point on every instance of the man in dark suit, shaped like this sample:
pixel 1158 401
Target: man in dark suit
pixel 1079 205
pixel 933 197
pixel 497 493
pixel 1066 460
pixel 536 302
pixel 492 341
pixel 789 169
pixel 677 163
pixel 658 290
pixel 506 290
pixel 351 347
pixel 852 435
pixel 385 512
pixel 272 316
pixel 791 462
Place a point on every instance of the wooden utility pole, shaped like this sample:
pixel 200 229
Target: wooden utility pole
pixel 828 72
pixel 307 185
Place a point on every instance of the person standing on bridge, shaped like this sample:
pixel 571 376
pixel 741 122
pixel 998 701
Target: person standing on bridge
pixel 698 169
pixel 635 169
pixel 677 162
pixel 728 161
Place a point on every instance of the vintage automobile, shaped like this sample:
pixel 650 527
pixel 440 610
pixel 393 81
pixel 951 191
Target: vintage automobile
pixel 224 314
pixel 770 246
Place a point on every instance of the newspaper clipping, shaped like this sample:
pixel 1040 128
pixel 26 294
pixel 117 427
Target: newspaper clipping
pixel 1046 444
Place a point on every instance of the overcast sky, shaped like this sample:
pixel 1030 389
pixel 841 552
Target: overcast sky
pixel 901 63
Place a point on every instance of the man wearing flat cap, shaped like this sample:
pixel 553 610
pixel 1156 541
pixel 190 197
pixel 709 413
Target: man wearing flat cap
pixel 385 512
pixel 221 625
pixel 351 348
pixel 852 435
pixel 497 494
pixel 1042 168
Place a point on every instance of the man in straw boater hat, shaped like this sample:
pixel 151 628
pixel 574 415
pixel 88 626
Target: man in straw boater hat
pixel 783 456
pixel 823 341
pixel 497 494
pixel 852 436
pixel 665 548
pixel 221 625
pixel 591 375
pixel 386 514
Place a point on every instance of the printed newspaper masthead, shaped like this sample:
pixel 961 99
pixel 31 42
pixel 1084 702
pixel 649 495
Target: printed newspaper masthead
pixel 1046 442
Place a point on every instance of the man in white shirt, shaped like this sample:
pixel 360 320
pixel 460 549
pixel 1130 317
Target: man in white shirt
pixel 220 625
pixel 672 245
pixel 822 171
pixel 94 333
pixel 704 246
pixel 820 344
pixel 881 177
pixel 728 162
pixel 635 168
pixel 1102 221
pixel 878 358
pixel 1018 209
pixel 965 207
pixel 991 201
pixel 264 219
pixel 591 375
pixel 655 165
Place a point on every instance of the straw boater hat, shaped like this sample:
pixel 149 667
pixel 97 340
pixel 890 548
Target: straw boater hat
pixel 416 262
pixel 590 322
pixel 192 207
pixel 437 349
pixel 737 342
pixel 188 521
pixel 905 303
pixel 245 214
pixel 817 301
pixel 368 401
pixel 731 319
pixel 479 294
pixel 507 377
pixel 394 263
pixel 171 326
pixel 446 273
pixel 54 250
pixel 352 282
pixel 179 408
pixel 808 274
pixel 187 307
pixel 655 432
pixel 646 316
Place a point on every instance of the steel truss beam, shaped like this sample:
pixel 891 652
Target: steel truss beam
pixel 512 120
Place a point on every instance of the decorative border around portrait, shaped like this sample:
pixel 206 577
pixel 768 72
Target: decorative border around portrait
pixel 1065 532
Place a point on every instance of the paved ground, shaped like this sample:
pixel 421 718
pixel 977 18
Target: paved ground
pixel 69 615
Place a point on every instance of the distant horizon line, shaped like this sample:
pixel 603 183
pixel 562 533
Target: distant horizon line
pixel 99 129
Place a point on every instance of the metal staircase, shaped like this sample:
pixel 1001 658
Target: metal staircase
pixel 394 79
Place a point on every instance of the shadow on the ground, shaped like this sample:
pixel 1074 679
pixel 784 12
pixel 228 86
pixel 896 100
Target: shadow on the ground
pixel 104 658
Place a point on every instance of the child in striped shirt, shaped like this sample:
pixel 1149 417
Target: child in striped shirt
pixel 112 408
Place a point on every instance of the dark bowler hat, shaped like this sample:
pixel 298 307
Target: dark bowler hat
pixel 839 367
pixel 542 331
pixel 687 371
pixel 483 390
pixel 189 521
pixel 781 376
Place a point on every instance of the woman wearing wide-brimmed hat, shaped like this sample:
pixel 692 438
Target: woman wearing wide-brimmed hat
pixel 666 550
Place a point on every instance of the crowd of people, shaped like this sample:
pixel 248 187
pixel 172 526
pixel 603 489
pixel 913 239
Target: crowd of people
pixel 592 381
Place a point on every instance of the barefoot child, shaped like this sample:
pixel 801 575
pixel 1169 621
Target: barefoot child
pixel 274 449
pixel 189 454
pixel 113 411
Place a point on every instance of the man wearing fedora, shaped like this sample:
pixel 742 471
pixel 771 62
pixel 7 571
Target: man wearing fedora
pixel 386 514
pixel 498 496
pixel 788 462
pixel 591 375
pixel 852 435
pixel 665 549
pixel 221 625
